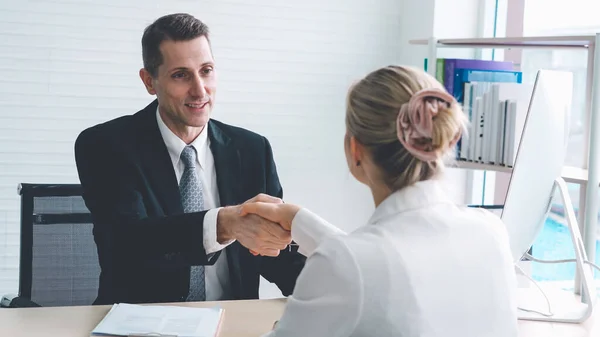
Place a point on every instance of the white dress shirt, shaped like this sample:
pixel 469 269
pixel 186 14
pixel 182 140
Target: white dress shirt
pixel 422 266
pixel 217 282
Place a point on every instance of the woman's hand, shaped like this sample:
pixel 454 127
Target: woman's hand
pixel 283 214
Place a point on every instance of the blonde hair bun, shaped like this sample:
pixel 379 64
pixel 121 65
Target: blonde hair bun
pixel 422 124
pixel 407 120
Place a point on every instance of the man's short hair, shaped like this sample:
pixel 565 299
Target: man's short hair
pixel 174 27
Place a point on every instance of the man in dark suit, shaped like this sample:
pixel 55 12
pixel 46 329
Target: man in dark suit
pixel 162 186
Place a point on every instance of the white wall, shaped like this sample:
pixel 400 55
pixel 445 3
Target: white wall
pixel 284 68
pixel 457 19
pixel 442 19
pixel 417 23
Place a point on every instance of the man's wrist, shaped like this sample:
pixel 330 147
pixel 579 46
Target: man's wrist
pixel 226 224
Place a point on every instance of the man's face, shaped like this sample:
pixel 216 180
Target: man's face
pixel 185 84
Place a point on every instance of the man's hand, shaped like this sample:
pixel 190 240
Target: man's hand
pixel 261 236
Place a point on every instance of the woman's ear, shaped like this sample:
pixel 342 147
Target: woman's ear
pixel 356 151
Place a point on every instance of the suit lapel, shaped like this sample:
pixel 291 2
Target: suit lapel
pixel 228 167
pixel 156 162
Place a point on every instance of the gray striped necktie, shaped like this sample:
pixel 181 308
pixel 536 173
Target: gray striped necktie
pixel 192 200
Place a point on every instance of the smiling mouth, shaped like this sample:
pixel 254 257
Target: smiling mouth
pixel 196 105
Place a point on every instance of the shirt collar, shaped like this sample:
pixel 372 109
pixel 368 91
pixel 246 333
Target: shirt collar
pixel 417 196
pixel 175 145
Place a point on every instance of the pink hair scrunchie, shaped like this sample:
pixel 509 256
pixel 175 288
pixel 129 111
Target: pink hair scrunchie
pixel 415 122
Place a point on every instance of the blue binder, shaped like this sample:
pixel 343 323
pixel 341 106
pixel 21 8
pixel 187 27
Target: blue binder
pixel 463 76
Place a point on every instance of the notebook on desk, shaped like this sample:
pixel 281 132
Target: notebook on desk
pixel 152 320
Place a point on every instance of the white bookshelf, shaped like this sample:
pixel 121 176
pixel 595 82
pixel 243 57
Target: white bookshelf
pixel 587 176
pixel 570 174
pixel 583 41
pixel 462 164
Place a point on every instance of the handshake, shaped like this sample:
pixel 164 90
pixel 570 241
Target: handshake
pixel 262 224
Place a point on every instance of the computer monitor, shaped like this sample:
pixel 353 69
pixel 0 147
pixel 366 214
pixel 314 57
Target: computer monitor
pixel 535 177
pixel 539 161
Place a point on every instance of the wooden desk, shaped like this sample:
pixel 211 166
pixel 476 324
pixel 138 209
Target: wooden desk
pixel 242 319
pixel 531 298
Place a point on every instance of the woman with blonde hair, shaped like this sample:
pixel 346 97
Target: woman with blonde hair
pixel 422 265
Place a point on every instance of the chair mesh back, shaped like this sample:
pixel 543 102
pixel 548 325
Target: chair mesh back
pixel 65 267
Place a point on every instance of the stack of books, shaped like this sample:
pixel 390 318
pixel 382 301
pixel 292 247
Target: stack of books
pixel 495 101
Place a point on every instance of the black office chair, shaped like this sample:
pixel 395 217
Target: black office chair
pixel 59 262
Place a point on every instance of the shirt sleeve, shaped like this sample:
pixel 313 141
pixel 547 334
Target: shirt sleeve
pixel 328 297
pixel 211 245
pixel 308 230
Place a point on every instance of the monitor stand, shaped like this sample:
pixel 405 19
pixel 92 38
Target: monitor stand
pixel 561 305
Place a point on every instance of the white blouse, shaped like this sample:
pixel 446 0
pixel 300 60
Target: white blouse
pixel 422 266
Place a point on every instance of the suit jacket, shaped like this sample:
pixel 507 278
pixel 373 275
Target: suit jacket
pixel 146 243
pixel 440 270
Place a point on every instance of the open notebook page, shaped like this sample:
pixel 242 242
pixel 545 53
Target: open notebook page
pixel 131 319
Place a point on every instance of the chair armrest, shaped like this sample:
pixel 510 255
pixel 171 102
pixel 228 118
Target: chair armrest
pixel 13 301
